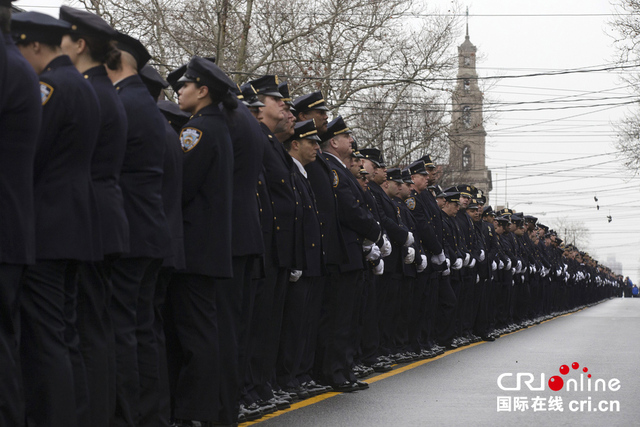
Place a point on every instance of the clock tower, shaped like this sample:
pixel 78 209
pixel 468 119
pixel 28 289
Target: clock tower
pixel 467 134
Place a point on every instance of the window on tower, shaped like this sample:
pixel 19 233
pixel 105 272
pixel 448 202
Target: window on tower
pixel 466 116
pixel 467 85
pixel 467 61
pixel 466 158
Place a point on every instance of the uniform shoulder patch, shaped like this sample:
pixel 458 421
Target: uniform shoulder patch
pixel 411 203
pixel 189 138
pixel 336 180
pixel 45 92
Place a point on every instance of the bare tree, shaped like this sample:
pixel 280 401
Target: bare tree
pixel 626 25
pixel 572 231
pixel 382 64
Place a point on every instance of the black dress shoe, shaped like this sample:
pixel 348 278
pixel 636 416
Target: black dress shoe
pixel 346 387
pixel 381 367
pixel 488 338
pixel 298 393
pixel 361 385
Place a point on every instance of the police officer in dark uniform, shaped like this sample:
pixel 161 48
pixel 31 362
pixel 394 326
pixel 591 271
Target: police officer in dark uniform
pixel 207 202
pixel 20 118
pixel 89 46
pixel 248 151
pixel 281 254
pixel 64 231
pixel 359 229
pixel 302 147
pixel 321 178
pixel 134 275
pixel 156 404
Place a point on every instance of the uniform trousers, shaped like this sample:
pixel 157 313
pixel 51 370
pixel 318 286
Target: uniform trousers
pixel 388 307
pixel 46 364
pixel 314 308
pixel 265 331
pixel 447 302
pixel 132 314
pixel 340 303
pixel 96 337
pixel 193 353
pixel 369 346
pixel 294 335
pixel 12 409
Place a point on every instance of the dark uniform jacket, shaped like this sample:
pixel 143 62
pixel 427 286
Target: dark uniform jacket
pixel 106 163
pixel 426 230
pixel 63 193
pixel 278 171
pixel 141 176
pixel 207 193
pixel 321 178
pixel 392 224
pixel 172 198
pixel 356 221
pixel 407 219
pixel 248 151
pixel 20 118
pixel 311 235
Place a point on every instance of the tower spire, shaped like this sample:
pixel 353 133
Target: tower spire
pixel 467 36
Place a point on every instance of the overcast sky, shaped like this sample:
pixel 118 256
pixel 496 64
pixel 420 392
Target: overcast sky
pixel 542 126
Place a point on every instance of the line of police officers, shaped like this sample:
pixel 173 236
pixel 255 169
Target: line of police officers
pixel 208 262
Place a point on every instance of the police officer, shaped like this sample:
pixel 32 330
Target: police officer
pixel 134 274
pixel 64 230
pixel 238 294
pixel 302 147
pixel 206 202
pixel 155 400
pixel 277 197
pixel 88 45
pixel 361 232
pixel 20 118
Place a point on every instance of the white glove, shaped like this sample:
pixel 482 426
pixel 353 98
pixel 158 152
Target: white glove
pixel 494 266
pixel 473 263
pixel 535 270
pixel 481 257
pixel 411 256
pixel 448 262
pixel 379 269
pixel 501 265
pixel 410 239
pixel 385 250
pixel 477 278
pixel 519 267
pixel 458 264
pixel 374 254
pixel 295 275
pixel 467 259
pixel 508 264
pixel 423 263
pixel 558 272
pixel 367 245
pixel 446 272
pixel 513 270
pixel 438 259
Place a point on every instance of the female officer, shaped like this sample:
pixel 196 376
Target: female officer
pixel 88 44
pixel 206 206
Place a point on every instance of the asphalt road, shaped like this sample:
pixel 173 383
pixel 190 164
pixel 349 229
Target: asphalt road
pixel 460 388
